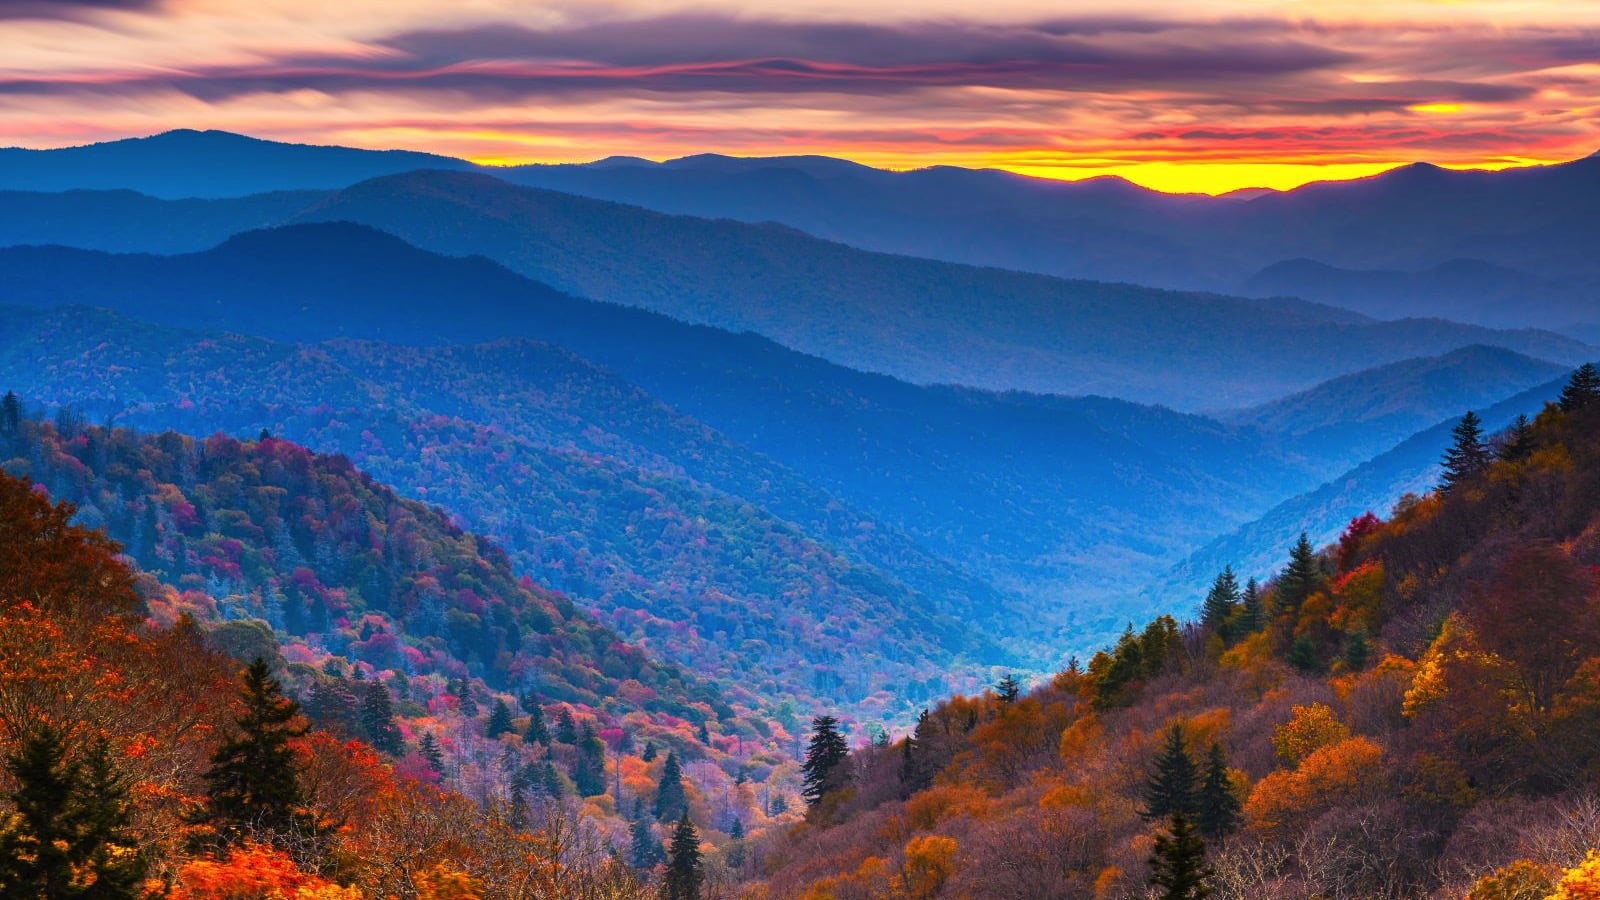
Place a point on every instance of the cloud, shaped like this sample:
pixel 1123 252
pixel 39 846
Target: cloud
pixel 71 10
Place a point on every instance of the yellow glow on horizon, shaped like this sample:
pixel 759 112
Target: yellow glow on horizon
pixel 1436 109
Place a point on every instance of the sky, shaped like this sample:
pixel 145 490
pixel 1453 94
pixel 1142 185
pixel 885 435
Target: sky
pixel 1177 95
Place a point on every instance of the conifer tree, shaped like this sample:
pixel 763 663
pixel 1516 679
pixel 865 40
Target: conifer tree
pixel 671 800
pixel 704 734
pixel 823 769
pixel 1220 603
pixel 1008 688
pixel 1172 787
pixel 469 704
pixel 253 785
pixel 684 875
pixel 517 817
pixel 1357 649
pixel 649 754
pixel 499 720
pixel 1582 389
pixel 10 415
pixel 589 772
pixel 39 846
pixel 777 805
pixel 377 719
pixel 1252 613
pixel 566 728
pixel 1178 867
pixel 1516 444
pixel 1302 577
pixel 645 848
pixel 1217 811
pixel 735 854
pixel 551 782
pixel 538 732
pixel 1468 456
pixel 428 746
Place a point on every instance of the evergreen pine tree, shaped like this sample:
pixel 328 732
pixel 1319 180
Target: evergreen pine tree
pixel 1008 688
pixel 1468 456
pixel 1172 786
pixel 684 875
pixel 1303 654
pixel 589 772
pixel 517 816
pixel 499 720
pixel 39 846
pixel 551 782
pixel 1178 867
pixel 1218 808
pixel 253 785
pixel 1302 577
pixel 1356 651
pixel 10 415
pixel 377 719
pixel 704 734
pixel 110 852
pixel 469 704
pixel 538 732
pixel 1220 603
pixel 645 849
pixel 824 771
pixel 777 805
pixel 671 800
pixel 566 728
pixel 735 854
pixel 428 746
pixel 1517 443
pixel 649 754
pixel 1582 390
pixel 1252 613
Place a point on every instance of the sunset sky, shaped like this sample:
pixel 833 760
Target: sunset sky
pixel 1205 95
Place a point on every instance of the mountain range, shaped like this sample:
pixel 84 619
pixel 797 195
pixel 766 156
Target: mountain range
pixel 807 468
pixel 1405 236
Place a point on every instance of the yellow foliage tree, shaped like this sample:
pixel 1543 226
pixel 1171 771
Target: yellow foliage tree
pixel 1582 882
pixel 1332 774
pixel 929 863
pixel 1309 729
pixel 1521 880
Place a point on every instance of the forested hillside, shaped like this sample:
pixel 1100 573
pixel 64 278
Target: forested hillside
pixel 395 629
pixel 592 486
pixel 1408 712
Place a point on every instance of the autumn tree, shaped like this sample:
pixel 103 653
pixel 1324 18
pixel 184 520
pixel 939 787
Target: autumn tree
pixel 1467 457
pixel 823 769
pixel 1217 807
pixel 671 800
pixel 684 870
pixel 1581 390
pixel 253 784
pixel 1178 869
pixel 1172 786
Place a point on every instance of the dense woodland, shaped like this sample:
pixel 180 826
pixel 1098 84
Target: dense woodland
pixel 453 703
pixel 1410 712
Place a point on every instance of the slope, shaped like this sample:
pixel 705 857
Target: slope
pixel 535 447
pixel 186 163
pixel 1464 290
pixel 1061 498
pixel 1350 419
pixel 919 320
pixel 1411 467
